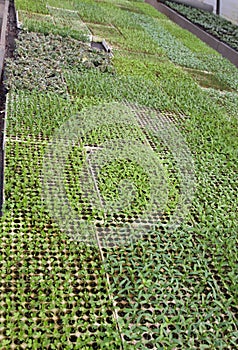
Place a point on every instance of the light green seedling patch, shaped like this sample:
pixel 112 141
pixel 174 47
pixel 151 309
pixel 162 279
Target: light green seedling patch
pixel 66 26
pixel 32 6
pixel 187 38
pixel 108 32
pixel 208 80
pixel 65 4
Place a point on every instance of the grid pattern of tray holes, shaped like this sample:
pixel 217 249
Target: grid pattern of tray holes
pixel 153 294
pixel 83 196
pixel 52 289
pixel 70 300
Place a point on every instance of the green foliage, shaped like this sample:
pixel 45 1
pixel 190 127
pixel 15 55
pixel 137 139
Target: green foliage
pixel 172 288
pixel 29 112
pixel 208 80
pixel 187 38
pixel 115 88
pixel 182 53
pixel 219 27
pixel 165 287
pixel 65 4
pixel 38 6
pixel 228 100
pixel 57 25
pixel 108 32
pixel 41 59
pixel 136 40
pixel 55 303
pixel 91 11
pixel 148 10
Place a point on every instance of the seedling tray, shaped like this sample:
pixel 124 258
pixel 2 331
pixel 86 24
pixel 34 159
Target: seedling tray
pixel 213 42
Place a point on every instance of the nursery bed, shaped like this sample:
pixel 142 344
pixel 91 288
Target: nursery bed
pixel 212 41
pixel 219 27
pixel 103 155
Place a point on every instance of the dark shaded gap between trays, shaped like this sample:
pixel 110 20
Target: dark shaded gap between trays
pixel 11 34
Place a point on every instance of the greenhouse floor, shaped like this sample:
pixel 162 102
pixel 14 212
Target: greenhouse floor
pixel 119 225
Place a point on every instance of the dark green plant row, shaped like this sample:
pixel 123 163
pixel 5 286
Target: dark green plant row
pixel 219 27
